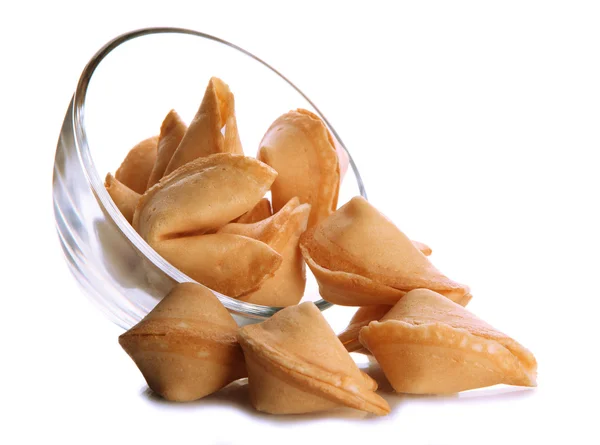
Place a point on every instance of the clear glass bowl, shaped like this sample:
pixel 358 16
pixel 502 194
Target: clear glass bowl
pixel 123 94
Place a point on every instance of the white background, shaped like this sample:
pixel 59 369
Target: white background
pixel 476 126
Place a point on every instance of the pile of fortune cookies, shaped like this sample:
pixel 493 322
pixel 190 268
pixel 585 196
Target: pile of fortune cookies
pixel 196 199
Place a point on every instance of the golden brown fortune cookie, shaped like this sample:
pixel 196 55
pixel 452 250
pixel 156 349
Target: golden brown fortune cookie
pixel 427 344
pixel 201 196
pixel 171 133
pixel 186 347
pixel 203 136
pixel 137 165
pixel 281 232
pixel 233 265
pixel 300 148
pixel 124 198
pixel 360 258
pixel 296 364
pixel 262 210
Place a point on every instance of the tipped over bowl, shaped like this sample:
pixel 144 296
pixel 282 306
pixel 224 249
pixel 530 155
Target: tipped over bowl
pixel 122 96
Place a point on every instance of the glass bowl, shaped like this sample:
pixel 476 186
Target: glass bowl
pixel 123 94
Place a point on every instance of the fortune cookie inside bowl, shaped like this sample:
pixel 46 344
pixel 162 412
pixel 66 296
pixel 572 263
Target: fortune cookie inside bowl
pixel 231 264
pixel 201 196
pixel 281 232
pixel 262 210
pixel 203 136
pixel 300 148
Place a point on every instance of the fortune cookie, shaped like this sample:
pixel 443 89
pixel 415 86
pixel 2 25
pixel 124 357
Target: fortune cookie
pixel 281 232
pixel 201 196
pixel 124 198
pixel 300 148
pixel 186 347
pixel 171 133
pixel 203 136
pixel 137 165
pixel 427 344
pixel 362 317
pixel 262 210
pixel 296 364
pixel 233 265
pixel 360 258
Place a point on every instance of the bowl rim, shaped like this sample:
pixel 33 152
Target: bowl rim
pixel 108 206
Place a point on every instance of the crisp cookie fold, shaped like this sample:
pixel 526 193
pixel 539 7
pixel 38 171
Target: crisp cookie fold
pixel 300 148
pixel 296 364
pixel 203 136
pixel 186 347
pixel 427 344
pixel 201 196
pixel 281 232
pixel 424 306
pixel 262 210
pixel 268 230
pixel 361 258
pixel 231 264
